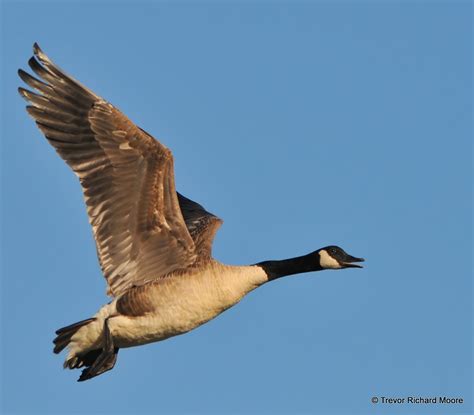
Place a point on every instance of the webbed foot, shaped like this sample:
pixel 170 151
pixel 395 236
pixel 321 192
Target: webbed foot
pixel 105 361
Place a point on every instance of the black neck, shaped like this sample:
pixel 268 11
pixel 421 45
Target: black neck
pixel 298 265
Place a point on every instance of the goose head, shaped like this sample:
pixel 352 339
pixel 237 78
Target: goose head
pixel 334 257
pixel 329 257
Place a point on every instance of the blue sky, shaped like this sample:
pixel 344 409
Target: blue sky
pixel 301 125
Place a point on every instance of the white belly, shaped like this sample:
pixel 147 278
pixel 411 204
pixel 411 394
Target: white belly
pixel 134 331
pixel 184 303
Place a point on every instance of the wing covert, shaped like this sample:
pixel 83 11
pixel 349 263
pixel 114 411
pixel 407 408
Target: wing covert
pixel 201 224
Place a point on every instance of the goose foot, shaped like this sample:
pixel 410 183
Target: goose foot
pixel 105 361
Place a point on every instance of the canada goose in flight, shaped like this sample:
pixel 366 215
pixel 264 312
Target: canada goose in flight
pixel 154 244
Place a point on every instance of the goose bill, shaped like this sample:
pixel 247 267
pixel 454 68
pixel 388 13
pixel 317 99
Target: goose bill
pixel 349 262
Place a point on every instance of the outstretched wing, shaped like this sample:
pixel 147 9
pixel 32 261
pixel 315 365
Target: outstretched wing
pixel 126 175
pixel 201 224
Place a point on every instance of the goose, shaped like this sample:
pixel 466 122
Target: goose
pixel 153 244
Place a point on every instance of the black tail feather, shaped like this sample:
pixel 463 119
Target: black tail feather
pixel 74 326
pixel 64 334
pixel 95 361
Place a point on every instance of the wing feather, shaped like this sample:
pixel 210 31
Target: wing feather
pixel 201 224
pixel 126 175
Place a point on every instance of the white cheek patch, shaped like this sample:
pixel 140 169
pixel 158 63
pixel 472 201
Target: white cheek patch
pixel 327 261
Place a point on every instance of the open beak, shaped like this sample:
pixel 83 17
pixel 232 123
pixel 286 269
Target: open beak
pixel 349 262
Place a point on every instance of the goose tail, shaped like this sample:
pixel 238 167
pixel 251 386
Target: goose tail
pixel 64 334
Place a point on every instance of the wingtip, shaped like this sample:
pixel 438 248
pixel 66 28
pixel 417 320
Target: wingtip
pixel 38 52
pixel 24 76
pixel 23 92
